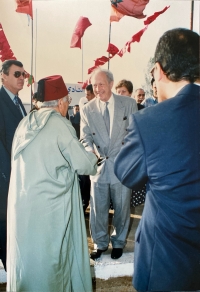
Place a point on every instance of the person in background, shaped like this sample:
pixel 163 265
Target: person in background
pixel 35 100
pixel 125 87
pixel 47 242
pixel 104 121
pixel 139 97
pixel 75 120
pixel 11 113
pixel 152 100
pixel 89 95
pixel 85 179
pixel 162 149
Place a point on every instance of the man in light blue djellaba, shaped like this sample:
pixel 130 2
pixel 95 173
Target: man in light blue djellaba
pixel 47 243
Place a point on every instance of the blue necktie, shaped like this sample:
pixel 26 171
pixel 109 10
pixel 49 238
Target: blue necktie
pixel 106 117
pixel 16 102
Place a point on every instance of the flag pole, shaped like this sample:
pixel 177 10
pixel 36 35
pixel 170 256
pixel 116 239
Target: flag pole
pixel 31 59
pixel 82 58
pixel 109 43
pixel 35 42
pixel 191 14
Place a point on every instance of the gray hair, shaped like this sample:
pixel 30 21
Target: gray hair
pixel 139 89
pixel 52 103
pixel 107 72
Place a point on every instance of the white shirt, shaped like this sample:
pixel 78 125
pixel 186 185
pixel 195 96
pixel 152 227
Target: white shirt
pixel 83 100
pixel 110 109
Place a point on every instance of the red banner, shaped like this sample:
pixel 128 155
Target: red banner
pixel 25 6
pixel 133 8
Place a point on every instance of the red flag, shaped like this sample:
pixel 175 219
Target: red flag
pixel 79 30
pixel 5 50
pixel 85 84
pixel 151 18
pixel 135 38
pixel 90 70
pixel 133 8
pixel 25 6
pixel 122 51
pixel 101 61
pixel 112 50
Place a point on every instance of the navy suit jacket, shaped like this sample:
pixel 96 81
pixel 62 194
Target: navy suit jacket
pixel 9 120
pixel 162 149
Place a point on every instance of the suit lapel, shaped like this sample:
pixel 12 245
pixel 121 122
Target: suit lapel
pixel 10 104
pixel 119 110
pixel 99 122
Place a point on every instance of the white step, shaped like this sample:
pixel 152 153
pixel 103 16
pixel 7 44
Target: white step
pixel 106 268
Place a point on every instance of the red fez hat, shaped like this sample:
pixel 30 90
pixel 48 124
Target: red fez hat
pixel 51 88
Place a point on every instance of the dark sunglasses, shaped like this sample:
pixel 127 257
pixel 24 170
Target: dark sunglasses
pixel 17 74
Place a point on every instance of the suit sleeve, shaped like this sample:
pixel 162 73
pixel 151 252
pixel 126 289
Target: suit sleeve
pixel 86 135
pixel 130 163
pixel 81 161
pixel 134 107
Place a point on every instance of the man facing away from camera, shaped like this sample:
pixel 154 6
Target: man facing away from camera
pixel 47 242
pixel 162 149
pixel 11 113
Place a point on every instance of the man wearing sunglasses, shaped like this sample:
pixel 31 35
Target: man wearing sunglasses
pixel 11 113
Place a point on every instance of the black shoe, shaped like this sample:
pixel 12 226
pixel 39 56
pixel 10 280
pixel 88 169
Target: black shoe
pixel 96 254
pixel 116 253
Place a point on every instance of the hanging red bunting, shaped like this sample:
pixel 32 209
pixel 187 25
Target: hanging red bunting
pixel 5 50
pixel 7 54
pixel 113 50
pixel 135 38
pixel 151 18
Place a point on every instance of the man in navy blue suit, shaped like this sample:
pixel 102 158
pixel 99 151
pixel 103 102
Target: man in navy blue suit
pixel 11 113
pixel 162 149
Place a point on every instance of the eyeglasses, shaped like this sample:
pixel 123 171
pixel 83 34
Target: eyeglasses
pixel 141 94
pixel 17 74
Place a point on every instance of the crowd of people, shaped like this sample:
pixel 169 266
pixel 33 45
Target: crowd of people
pixel 115 150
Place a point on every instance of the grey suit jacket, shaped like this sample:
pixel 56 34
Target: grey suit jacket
pixel 94 135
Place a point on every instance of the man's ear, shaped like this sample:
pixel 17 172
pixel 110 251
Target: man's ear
pixel 160 73
pixel 59 102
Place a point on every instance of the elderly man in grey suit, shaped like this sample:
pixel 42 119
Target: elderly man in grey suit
pixel 104 121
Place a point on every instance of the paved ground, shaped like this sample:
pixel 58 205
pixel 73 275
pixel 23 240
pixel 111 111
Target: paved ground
pixel 119 284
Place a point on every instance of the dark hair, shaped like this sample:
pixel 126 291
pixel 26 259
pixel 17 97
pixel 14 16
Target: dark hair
pixel 38 97
pixel 177 52
pixel 76 105
pixel 152 81
pixel 35 96
pixel 89 88
pixel 8 63
pixel 126 83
